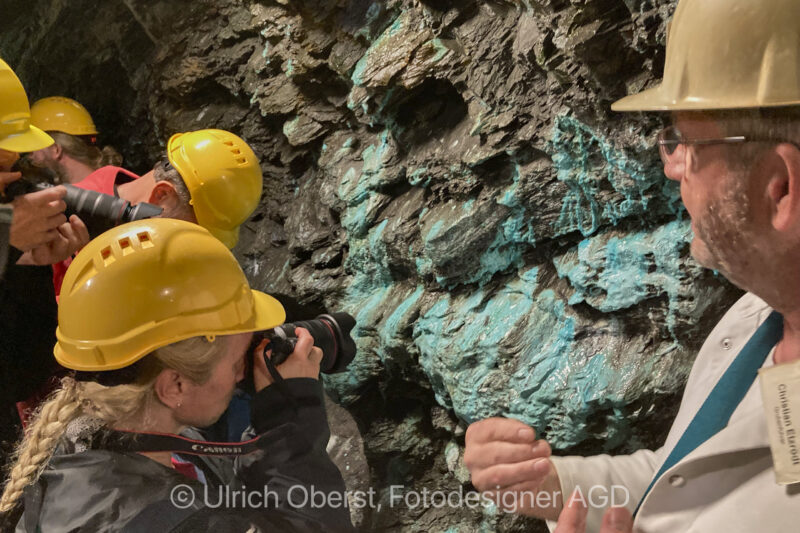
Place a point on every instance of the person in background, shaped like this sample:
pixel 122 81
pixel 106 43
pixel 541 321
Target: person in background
pixel 209 177
pixel 74 156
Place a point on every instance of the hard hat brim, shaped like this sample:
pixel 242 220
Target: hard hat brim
pixel 649 100
pixel 268 311
pixel 29 141
pixel 655 100
pixel 228 237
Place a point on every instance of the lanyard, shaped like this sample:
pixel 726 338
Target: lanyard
pixel 726 395
pixel 130 441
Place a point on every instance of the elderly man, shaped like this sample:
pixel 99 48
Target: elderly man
pixel 732 86
pixel 209 177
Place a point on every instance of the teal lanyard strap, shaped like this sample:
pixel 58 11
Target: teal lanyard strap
pixel 726 396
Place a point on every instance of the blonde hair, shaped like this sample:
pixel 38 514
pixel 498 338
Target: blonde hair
pixel 89 155
pixel 194 358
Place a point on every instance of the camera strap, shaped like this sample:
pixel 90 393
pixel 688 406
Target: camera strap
pixel 278 382
pixel 132 441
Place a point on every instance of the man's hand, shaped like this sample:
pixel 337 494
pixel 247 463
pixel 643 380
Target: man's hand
pixel 36 215
pixel 303 362
pixel 72 236
pixel 7 177
pixel 511 466
pixel 7 160
pixel 573 518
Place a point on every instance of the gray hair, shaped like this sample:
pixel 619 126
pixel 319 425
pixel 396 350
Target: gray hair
pixel 164 171
pixel 781 124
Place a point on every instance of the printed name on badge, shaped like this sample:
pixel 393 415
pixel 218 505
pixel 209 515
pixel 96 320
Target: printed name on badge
pixel 780 390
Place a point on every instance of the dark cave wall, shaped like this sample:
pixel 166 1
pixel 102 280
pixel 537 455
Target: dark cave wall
pixel 450 173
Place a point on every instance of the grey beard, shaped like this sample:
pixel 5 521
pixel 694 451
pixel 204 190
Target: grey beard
pixel 724 228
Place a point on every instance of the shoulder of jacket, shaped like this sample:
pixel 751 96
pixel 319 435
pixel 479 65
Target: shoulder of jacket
pixel 748 305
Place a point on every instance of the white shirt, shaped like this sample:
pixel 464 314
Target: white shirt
pixel 727 484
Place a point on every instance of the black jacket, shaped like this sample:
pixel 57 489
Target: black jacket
pixel 28 320
pixel 100 490
pixel 6 215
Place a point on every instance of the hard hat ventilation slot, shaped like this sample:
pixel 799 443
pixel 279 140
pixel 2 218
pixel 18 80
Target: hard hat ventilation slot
pixel 236 151
pixel 144 240
pixel 241 160
pixel 227 143
pixel 108 255
pixel 125 246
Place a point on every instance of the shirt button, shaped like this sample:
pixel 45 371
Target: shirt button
pixel 726 343
pixel 677 481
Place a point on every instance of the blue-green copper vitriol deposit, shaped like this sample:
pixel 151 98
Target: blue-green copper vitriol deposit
pixel 451 174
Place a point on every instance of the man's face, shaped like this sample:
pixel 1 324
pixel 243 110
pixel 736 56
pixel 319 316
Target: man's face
pixel 45 158
pixel 716 198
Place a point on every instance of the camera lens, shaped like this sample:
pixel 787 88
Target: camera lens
pixel 101 212
pixel 331 334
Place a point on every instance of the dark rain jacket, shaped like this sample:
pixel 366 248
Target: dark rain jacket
pixel 6 215
pixel 103 491
pixel 28 320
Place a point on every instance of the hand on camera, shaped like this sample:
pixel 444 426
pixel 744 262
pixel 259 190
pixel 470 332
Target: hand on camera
pixel 72 236
pixel 37 216
pixel 512 467
pixel 303 362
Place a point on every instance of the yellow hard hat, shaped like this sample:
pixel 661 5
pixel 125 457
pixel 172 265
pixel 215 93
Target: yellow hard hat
pixel 223 177
pixel 147 284
pixel 16 132
pixel 58 113
pixel 727 54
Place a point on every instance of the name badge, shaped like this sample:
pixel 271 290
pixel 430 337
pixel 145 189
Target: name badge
pixel 780 390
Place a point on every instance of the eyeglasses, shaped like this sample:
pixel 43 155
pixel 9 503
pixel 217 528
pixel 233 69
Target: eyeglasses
pixel 670 138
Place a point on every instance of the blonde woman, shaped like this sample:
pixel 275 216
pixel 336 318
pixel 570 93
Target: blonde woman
pixel 156 317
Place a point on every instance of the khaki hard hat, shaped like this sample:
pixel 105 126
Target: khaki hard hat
pixel 58 113
pixel 223 176
pixel 16 132
pixel 727 54
pixel 147 284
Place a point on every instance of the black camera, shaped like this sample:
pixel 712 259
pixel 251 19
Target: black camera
pixel 100 212
pixel 331 334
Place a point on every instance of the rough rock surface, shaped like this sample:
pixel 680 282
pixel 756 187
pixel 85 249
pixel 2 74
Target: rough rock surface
pixel 449 172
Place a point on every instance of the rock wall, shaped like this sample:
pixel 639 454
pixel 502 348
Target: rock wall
pixel 450 173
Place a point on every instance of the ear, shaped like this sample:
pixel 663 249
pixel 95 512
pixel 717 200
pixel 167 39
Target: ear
pixel 55 151
pixel 783 188
pixel 164 195
pixel 170 388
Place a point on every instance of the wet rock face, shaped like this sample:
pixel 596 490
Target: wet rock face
pixel 450 173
